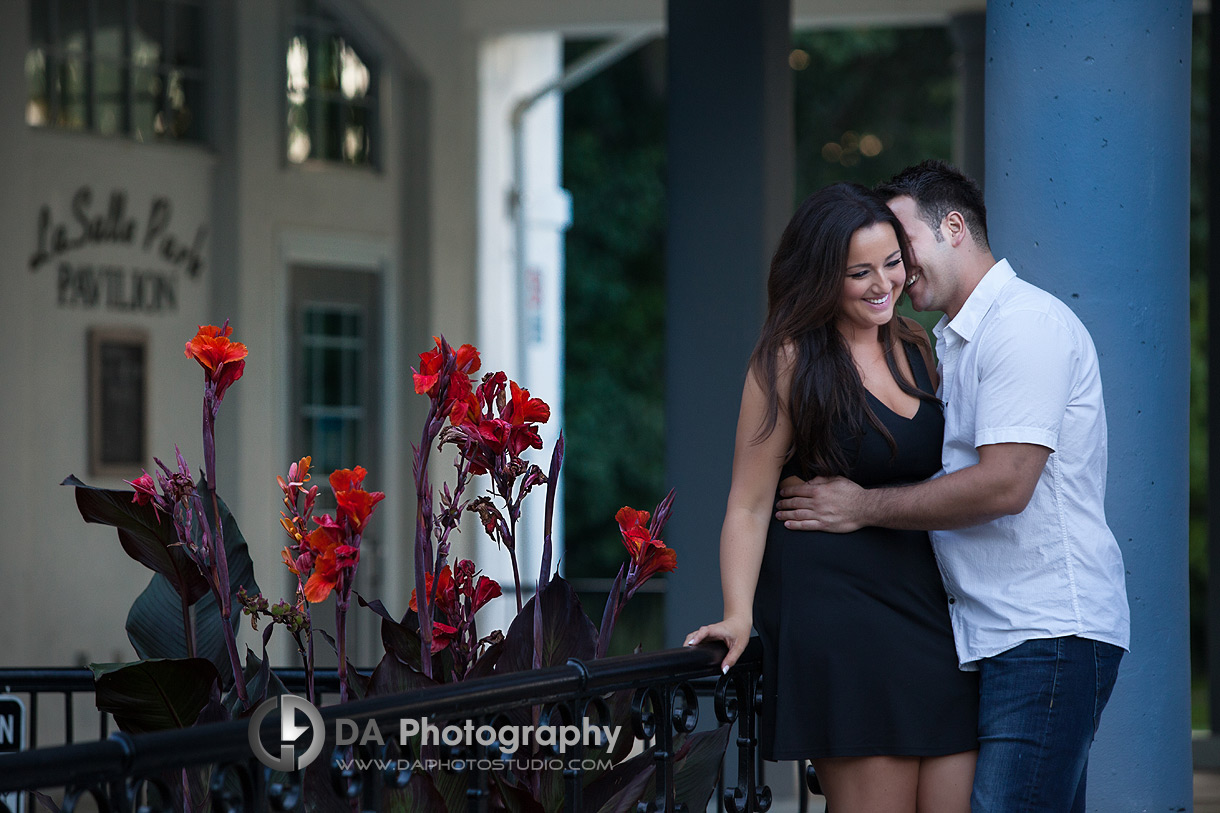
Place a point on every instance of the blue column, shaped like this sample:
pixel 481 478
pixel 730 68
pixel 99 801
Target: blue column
pixel 729 196
pixel 1088 162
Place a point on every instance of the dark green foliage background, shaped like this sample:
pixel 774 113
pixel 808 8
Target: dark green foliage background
pixel 897 84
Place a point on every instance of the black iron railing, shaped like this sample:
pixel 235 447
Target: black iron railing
pixel 124 772
pixel 69 690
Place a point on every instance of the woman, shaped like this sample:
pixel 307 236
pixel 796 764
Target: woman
pixel 860 674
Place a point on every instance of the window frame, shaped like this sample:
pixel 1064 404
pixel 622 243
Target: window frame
pixel 312 20
pixel 56 55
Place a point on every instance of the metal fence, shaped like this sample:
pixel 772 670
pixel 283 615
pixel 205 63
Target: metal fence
pixel 123 772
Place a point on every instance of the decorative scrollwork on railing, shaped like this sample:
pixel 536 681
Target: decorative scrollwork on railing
pixel 684 708
pixel 284 791
pixel 100 799
pixel 346 779
pixel 655 697
pixel 232 788
pixel 738 698
pixel 142 792
pixel 398 765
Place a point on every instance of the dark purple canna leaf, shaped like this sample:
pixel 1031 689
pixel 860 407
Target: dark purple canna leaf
pixel 145 536
pixel 154 695
pixel 567 631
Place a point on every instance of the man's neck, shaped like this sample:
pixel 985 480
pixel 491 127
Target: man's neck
pixel 974 268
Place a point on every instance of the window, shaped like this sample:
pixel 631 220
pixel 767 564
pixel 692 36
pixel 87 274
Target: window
pixel 331 92
pixel 117 67
pixel 336 405
pixel 333 406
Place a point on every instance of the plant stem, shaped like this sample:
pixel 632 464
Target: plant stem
pixel 220 563
pixel 309 682
pixel 423 531
pixel 511 544
pixel 341 639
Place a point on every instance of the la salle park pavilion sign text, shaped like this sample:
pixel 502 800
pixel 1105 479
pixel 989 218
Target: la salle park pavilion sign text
pixel 148 282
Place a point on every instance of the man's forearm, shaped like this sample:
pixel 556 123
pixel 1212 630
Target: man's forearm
pixel 1000 484
pixel 956 500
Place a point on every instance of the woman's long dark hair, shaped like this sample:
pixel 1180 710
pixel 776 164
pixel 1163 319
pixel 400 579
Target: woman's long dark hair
pixel 804 292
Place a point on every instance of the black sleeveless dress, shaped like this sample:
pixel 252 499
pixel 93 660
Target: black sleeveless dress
pixel 858 652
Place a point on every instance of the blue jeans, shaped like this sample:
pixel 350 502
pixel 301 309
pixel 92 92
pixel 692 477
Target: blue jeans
pixel 1039 707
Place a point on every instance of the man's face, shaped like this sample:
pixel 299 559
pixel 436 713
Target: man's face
pixel 931 282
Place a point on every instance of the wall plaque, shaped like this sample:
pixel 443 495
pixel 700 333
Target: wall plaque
pixel 118 398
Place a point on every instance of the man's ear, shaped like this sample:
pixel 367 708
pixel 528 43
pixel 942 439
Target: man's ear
pixel 954 226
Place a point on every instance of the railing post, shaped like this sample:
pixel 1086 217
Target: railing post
pixel 748 795
pixel 573 777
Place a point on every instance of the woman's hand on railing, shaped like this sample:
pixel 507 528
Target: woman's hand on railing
pixel 734 631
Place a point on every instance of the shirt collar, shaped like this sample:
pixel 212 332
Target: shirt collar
pixel 979 302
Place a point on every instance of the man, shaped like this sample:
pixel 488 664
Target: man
pixel 1033 575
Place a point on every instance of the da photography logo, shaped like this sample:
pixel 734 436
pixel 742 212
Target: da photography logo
pixel 293 754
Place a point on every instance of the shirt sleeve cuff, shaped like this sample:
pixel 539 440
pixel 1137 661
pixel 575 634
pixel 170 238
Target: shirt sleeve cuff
pixel 1017 434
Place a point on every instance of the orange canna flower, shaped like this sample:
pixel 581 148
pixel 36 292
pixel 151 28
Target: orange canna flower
pixel 354 502
pixel 328 569
pixel 348 479
pixel 289 561
pixel 223 361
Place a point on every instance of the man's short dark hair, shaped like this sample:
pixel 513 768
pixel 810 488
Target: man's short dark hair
pixel 937 189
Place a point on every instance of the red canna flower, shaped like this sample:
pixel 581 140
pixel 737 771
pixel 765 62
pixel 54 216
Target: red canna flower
pixel 495 435
pixel 334 560
pixel 354 502
pixel 358 505
pixel 657 560
pixel 522 412
pixel 446 597
pixel 463 572
pixel 522 409
pixel 145 489
pixel 455 584
pixel 486 589
pixel 466 361
pixel 649 556
pixel 633 525
pixel 348 479
pixel 477 593
pixel 223 361
pixel 442 636
pixel 465 410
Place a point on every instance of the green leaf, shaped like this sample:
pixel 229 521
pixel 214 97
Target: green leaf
pixel 154 695
pixel 146 536
pixel 566 631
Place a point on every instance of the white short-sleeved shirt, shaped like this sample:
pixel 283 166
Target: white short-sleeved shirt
pixel 1017 366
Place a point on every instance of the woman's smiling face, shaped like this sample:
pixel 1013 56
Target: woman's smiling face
pixel 873 279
